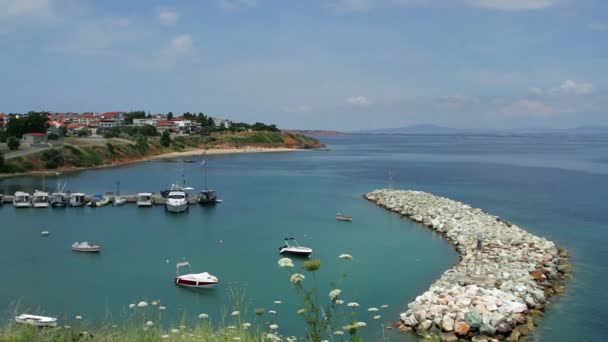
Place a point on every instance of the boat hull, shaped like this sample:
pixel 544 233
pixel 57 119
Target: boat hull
pixel 87 250
pixel 195 284
pixel 22 205
pixel 295 253
pixel 38 321
pixel 41 205
pixel 176 208
pixel 144 204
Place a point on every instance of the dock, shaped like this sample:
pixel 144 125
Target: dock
pixel 156 198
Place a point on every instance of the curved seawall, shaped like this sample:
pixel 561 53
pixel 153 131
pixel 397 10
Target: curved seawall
pixel 503 278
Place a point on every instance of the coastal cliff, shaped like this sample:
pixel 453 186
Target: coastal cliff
pixel 75 153
pixel 503 279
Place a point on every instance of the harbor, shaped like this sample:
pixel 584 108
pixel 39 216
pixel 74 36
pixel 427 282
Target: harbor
pixel 503 280
pixel 156 198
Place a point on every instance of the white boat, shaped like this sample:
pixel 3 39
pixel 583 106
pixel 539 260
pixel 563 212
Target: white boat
pixel 342 217
pixel 176 202
pixel 144 199
pixel 197 280
pixel 22 200
pixel 293 248
pixel 58 200
pixel 117 200
pixel 38 321
pixel 77 199
pixel 85 247
pixel 40 199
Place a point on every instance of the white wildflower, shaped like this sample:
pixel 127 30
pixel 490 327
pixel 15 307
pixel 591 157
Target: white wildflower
pixel 235 313
pixel 301 311
pixel 142 304
pixel 174 331
pixel 377 317
pixel 360 324
pixel 203 316
pixel 273 337
pixel 384 306
pixel 345 256
pixel 67 327
pixel 353 304
pixel 162 308
pixel 340 302
pixel 273 327
pixel 285 262
pixel 164 336
pixel 333 294
pixel 372 309
pixel 278 301
pixel 246 325
pixel 149 323
pixel 296 278
pixel 131 306
pixel 231 327
pixel 183 327
pixel 273 312
pixel 338 332
pixel 78 317
pixel 236 338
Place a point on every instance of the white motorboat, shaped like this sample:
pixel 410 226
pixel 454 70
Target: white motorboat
pixel 22 200
pixel 38 321
pixel 58 200
pixel 85 247
pixel 197 280
pixel 144 199
pixel 293 248
pixel 40 199
pixel 342 217
pixel 176 202
pixel 77 199
pixel 117 200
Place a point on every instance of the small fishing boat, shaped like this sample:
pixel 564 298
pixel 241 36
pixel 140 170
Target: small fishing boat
pixel 85 247
pixel 117 199
pixel 144 199
pixel 292 247
pixel 40 199
pixel 77 199
pixel 59 200
pixel 22 200
pixel 197 280
pixel 38 321
pixel 342 217
pixel 103 200
pixel 44 233
pixel 207 196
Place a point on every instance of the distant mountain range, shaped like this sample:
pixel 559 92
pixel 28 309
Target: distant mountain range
pixel 434 129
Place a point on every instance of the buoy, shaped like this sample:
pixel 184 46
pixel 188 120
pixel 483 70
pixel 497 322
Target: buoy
pixel 44 233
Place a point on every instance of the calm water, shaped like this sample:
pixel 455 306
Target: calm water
pixel 554 186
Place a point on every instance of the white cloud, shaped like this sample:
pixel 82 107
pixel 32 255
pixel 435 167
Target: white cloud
pixel 358 100
pixel 352 5
pixel 569 87
pixel 527 107
pixel 236 4
pixel 19 8
pixel 298 109
pixel 512 5
pixel 598 26
pixel 168 16
pixel 181 44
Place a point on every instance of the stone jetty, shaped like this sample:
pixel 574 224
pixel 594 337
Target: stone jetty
pixel 501 283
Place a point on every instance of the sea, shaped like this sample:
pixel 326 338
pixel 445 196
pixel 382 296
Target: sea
pixel 555 186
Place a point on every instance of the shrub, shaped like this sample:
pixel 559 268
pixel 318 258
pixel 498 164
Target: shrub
pixel 52 158
pixel 53 136
pixel 165 139
pixel 13 143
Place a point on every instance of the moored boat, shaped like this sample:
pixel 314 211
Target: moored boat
pixel 144 199
pixel 118 200
pixel 59 200
pixel 293 248
pixel 207 196
pixel 40 199
pixel 103 200
pixel 196 280
pixel 77 199
pixel 22 200
pixel 38 321
pixel 176 202
pixel 342 217
pixel 85 247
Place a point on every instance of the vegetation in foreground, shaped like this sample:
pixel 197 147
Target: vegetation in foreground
pixel 326 317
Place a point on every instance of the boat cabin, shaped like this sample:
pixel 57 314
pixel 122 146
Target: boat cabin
pixel 77 199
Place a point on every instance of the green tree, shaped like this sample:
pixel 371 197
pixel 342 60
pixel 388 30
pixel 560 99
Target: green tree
pixel 137 114
pixel 141 144
pixel 170 116
pixel 84 132
pixel 13 143
pixel 165 139
pixel 52 158
pixel 33 122
pixel 3 135
pixel 63 131
pixel 1 161
pixel 53 136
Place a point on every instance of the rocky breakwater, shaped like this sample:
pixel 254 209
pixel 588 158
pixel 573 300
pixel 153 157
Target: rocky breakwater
pixel 501 283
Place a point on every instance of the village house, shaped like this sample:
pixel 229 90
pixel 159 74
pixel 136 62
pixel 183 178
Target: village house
pixel 35 138
pixel 4 119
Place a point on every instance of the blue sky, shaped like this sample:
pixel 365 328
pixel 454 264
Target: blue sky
pixel 333 64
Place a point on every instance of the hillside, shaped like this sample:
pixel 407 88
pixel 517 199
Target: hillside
pixel 82 154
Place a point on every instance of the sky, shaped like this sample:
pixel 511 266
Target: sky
pixel 315 64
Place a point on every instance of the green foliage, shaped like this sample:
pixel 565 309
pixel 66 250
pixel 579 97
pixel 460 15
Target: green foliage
pixel 170 116
pixel 110 148
pixel 138 114
pixel 129 132
pixel 141 144
pixel 53 136
pixel 62 131
pixel 165 139
pixel 33 122
pixel 3 135
pixel 83 132
pixel 52 158
pixel 13 143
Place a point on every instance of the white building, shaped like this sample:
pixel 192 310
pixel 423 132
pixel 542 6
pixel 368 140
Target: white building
pixel 219 122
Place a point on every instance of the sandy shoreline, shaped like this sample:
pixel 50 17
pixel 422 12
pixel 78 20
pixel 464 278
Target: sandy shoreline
pixel 160 157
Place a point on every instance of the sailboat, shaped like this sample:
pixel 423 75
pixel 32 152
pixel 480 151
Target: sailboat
pixel 117 199
pixel 59 197
pixel 207 196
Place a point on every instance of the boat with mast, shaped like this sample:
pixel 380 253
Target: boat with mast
pixel 59 197
pixel 207 196
pixel 117 199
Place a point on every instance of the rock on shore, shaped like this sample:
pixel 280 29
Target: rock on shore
pixel 492 292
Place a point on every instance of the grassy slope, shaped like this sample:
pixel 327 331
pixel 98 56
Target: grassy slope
pixel 76 154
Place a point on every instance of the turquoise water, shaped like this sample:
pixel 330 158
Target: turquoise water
pixel 554 186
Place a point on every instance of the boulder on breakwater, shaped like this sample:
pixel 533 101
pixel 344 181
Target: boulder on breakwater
pixel 502 280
